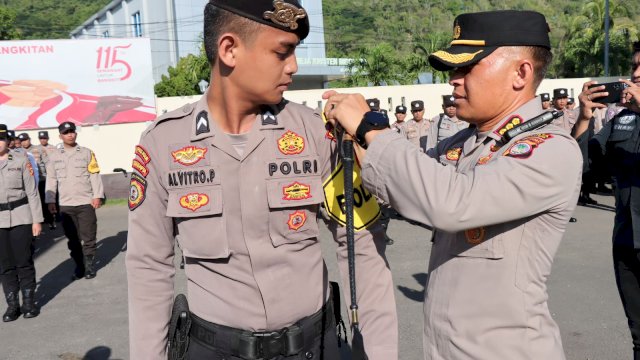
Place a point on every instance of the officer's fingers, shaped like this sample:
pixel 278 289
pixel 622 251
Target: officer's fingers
pixel 630 83
pixel 327 94
pixel 586 85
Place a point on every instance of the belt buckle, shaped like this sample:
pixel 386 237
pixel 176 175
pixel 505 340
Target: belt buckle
pixel 271 343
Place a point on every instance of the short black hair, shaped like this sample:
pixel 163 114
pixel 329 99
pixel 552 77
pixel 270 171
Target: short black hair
pixel 218 21
pixel 542 58
pixel 636 47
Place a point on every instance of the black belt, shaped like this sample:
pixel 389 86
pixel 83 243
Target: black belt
pixel 14 204
pixel 258 345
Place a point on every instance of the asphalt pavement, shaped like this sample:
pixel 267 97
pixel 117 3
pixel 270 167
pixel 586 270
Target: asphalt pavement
pixel 87 319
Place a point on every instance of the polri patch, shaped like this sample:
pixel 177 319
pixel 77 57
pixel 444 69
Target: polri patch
pixel 297 220
pixel 137 191
pixel 189 155
pixel 143 155
pixel 296 191
pixel 523 148
pixel 475 236
pixel 194 201
pixel 291 143
pixel 139 167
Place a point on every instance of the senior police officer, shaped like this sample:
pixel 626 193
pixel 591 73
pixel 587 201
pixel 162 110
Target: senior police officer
pixel 238 178
pixel 400 114
pixel 40 153
pixel 417 129
pixel 500 206
pixel 20 218
pixel 445 124
pixel 73 173
pixel 618 143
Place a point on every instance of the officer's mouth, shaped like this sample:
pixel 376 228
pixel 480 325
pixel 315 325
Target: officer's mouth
pixel 284 86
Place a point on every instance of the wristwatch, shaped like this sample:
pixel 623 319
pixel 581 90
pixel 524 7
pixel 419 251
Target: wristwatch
pixel 372 120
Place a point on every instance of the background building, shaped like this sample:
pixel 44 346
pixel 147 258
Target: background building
pixel 175 30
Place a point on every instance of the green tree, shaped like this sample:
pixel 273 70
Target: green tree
pixel 376 66
pixel 8 30
pixel 183 79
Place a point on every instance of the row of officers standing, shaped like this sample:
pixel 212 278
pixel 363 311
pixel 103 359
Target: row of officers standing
pixel 36 184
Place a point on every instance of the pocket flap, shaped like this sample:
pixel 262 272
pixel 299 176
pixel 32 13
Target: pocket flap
pixel 195 202
pixel 294 192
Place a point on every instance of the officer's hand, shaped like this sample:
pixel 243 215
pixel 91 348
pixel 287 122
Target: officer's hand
pixel 36 229
pixel 347 109
pixel 631 96
pixel 588 98
pixel 52 208
pixel 96 203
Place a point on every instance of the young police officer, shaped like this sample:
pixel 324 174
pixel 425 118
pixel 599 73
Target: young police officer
pixel 237 178
pixel 499 207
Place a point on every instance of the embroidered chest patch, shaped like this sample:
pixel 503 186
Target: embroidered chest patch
pixel 297 220
pixel 194 201
pixel 291 143
pixel 189 155
pixel 523 148
pixel 296 191
pixel 453 154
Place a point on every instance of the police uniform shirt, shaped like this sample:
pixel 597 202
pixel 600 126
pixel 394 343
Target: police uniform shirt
pixel 75 175
pixel 444 127
pixel 499 210
pixel 416 132
pixel 17 182
pixel 568 120
pixel 40 153
pixel 247 226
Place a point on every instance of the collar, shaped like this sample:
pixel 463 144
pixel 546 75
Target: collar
pixel 527 111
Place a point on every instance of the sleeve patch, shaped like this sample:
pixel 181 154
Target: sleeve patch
pixel 143 155
pixel 30 168
pixel 93 167
pixel 139 167
pixel 137 191
pixel 523 148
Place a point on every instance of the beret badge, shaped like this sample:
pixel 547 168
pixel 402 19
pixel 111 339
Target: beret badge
pixel 285 14
pixel 457 31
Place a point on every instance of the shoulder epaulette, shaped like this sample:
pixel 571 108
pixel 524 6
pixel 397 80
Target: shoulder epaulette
pixel 179 113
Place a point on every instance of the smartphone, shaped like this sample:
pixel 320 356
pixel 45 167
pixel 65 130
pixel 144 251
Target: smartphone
pixel 615 92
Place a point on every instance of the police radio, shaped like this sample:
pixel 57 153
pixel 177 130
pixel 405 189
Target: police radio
pixel 537 122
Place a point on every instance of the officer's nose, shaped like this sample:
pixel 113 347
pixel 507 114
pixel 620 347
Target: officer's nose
pixel 292 65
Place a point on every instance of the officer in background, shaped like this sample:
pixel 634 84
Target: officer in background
pixel 26 147
pixel 20 218
pixel 417 129
pixel 237 178
pixel 374 104
pixel 446 124
pixel 499 207
pixel 11 137
pixel 571 103
pixel 618 143
pixel 40 153
pixel 569 118
pixel 73 173
pixel 400 114
pixel 546 101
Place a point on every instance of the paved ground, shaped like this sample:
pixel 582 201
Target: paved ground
pixel 87 319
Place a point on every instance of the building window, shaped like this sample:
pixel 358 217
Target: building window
pixel 137 24
pixel 105 34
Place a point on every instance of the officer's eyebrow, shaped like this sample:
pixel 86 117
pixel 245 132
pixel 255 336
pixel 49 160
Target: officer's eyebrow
pixel 290 45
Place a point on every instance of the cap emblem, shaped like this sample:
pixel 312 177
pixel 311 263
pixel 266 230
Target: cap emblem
pixel 457 31
pixel 285 14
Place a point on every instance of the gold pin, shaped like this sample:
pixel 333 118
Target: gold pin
pixel 285 14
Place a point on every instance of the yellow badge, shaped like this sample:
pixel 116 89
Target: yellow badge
pixel 30 168
pixel 524 148
pixel 454 154
pixel 475 236
pixel 297 220
pixel 189 155
pixel 143 154
pixel 512 122
pixel 194 201
pixel 291 143
pixel 457 31
pixel 365 207
pixel 137 191
pixel 485 159
pixel 285 14
pixel 93 167
pixel 296 191
pixel 139 167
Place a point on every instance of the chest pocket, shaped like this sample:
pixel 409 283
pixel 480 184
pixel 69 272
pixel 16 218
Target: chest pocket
pixel 14 179
pixel 412 133
pixel 482 242
pixel 201 229
pixel 293 209
pixel 61 169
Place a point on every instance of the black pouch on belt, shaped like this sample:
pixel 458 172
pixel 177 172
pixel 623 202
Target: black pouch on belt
pixel 179 327
pixel 340 327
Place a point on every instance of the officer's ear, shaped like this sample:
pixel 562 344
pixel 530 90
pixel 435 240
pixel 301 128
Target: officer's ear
pixel 228 45
pixel 524 75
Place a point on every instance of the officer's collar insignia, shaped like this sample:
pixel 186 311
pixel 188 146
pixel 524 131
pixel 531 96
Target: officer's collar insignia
pixel 523 148
pixel 268 118
pixel 296 191
pixel 285 14
pixel 194 201
pixel 202 123
pixel 189 155
pixel 453 154
pixel 297 220
pixel 137 191
pixel 290 143
pixel 512 122
pixel 475 236
pixel 495 147
pixel 485 159
pixel 10 157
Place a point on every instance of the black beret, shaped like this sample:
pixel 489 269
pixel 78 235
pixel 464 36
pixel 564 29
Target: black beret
pixel 448 100
pixel 384 112
pixel 545 97
pixel 401 109
pixel 43 134
pixel 24 136
pixel 374 104
pixel 560 93
pixel 571 101
pixel 287 15
pixel 3 132
pixel 66 126
pixel 477 35
pixel 417 105
pixel 11 134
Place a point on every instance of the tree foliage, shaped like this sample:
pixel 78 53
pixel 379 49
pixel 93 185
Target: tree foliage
pixel 183 79
pixel 8 29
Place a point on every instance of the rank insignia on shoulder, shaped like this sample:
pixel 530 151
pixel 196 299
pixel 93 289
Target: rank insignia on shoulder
pixel 475 236
pixel 512 122
pixel 139 167
pixel 268 118
pixel 137 191
pixel 194 201
pixel 296 191
pixel 290 143
pixel 454 154
pixel 143 154
pixel 523 148
pixel 485 159
pixel 189 155
pixel 202 123
pixel 297 220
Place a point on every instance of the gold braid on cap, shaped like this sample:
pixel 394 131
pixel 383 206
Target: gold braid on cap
pixel 457 58
pixel 285 14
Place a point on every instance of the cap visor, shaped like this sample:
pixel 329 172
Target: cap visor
pixel 459 56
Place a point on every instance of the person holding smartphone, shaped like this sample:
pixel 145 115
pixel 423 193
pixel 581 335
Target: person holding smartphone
pixel 618 142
